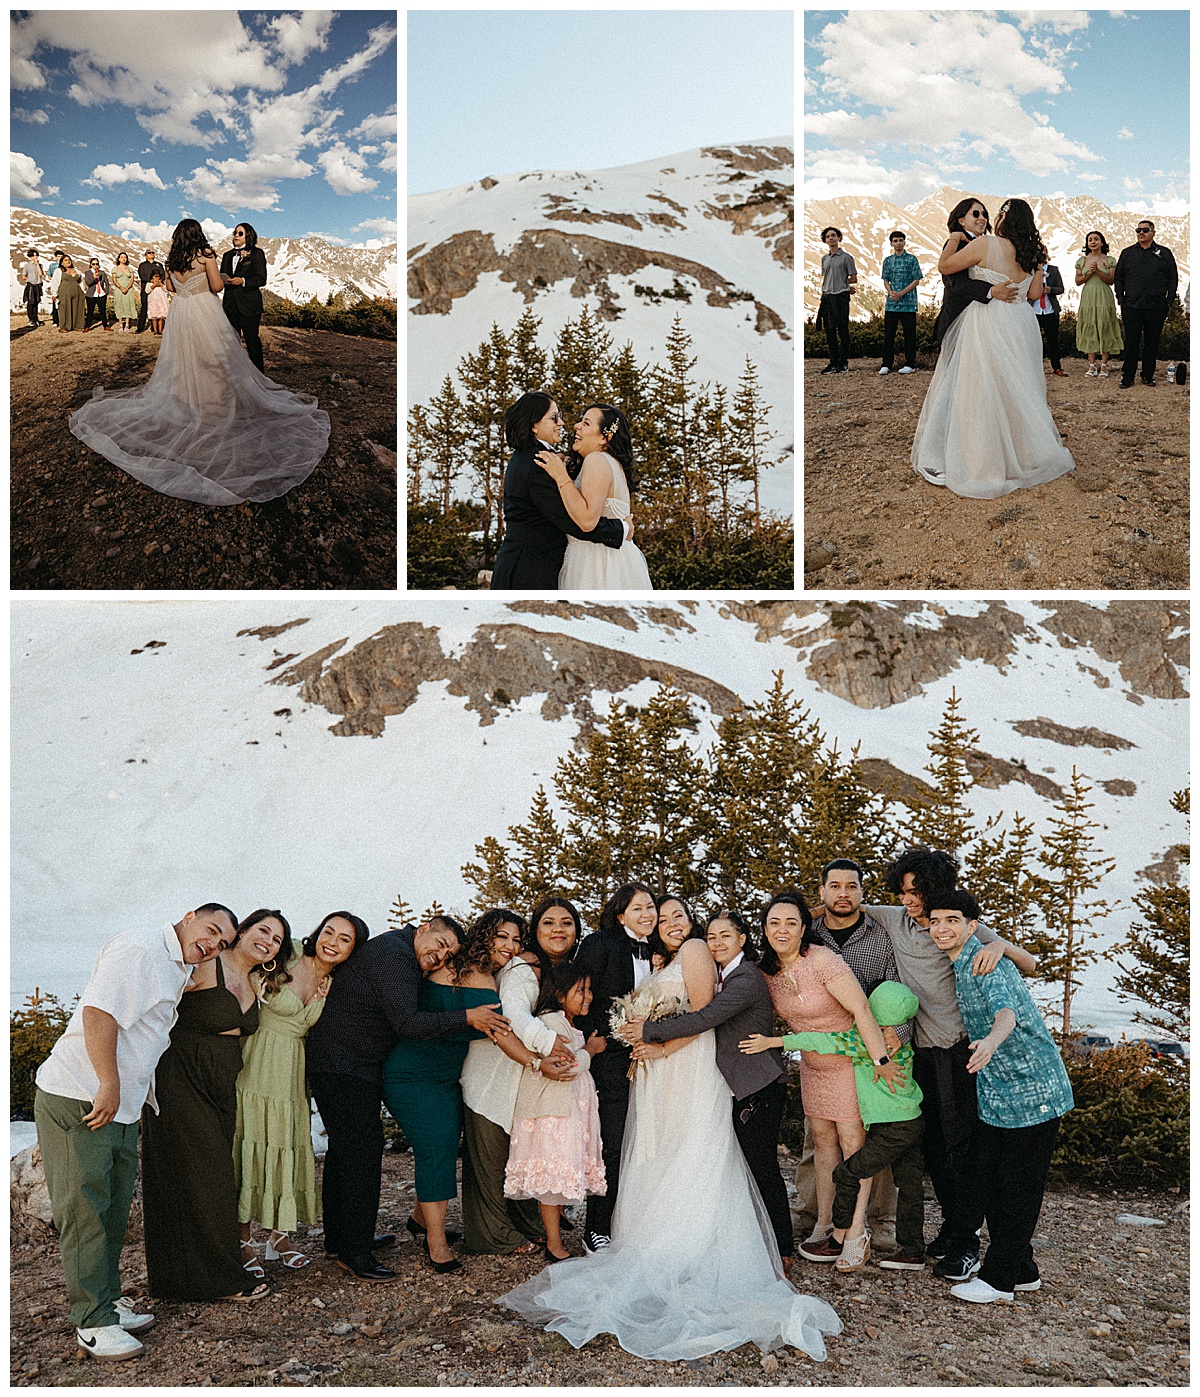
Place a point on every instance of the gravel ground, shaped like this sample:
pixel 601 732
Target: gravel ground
pixel 79 522
pixel 1113 1311
pixel 1118 521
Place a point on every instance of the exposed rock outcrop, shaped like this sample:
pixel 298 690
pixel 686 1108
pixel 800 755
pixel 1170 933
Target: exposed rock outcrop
pixel 28 1194
pixel 1145 639
pixel 1071 737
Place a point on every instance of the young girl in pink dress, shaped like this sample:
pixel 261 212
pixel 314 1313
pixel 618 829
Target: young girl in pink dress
pixel 554 1155
pixel 157 304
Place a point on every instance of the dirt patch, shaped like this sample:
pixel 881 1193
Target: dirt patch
pixel 1113 1311
pixel 1118 522
pixel 79 522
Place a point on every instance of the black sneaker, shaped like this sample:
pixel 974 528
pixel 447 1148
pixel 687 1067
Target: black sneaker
pixel 595 1241
pixel 938 1248
pixel 958 1268
pixel 829 369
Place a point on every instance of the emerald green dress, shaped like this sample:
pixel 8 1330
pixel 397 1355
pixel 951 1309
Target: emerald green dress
pixel 272 1147
pixel 1097 329
pixel 421 1090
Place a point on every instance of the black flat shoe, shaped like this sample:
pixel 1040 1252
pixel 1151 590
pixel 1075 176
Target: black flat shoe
pixel 419 1232
pixel 443 1268
pixel 380 1240
pixel 365 1267
pixel 551 1257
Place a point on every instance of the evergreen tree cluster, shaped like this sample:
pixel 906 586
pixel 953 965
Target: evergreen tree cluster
pixel 700 451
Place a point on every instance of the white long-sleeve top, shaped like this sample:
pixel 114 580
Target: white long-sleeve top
pixel 489 1078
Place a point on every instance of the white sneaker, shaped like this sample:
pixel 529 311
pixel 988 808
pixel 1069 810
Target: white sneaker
pixel 884 371
pixel 1029 1285
pixel 907 369
pixel 108 1342
pixel 129 1319
pixel 980 1293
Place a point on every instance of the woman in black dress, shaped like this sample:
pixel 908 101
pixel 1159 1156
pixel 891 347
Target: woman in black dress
pixel 189 1193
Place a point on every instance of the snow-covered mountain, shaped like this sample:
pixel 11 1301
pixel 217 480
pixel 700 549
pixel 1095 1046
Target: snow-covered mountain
pixel 1063 223
pixel 323 754
pixel 297 268
pixel 706 235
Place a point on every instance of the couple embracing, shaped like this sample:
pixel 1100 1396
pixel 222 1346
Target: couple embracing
pixel 567 521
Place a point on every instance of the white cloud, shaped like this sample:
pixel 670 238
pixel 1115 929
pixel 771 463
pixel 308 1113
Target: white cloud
pixel 938 83
pixel 38 117
pixel 234 184
pixel 298 35
pixel 158 235
pixel 105 176
pixel 1130 184
pixel 344 170
pixel 1124 134
pixel 25 178
pixel 386 226
pixel 1162 208
pixel 85 203
pixel 1090 178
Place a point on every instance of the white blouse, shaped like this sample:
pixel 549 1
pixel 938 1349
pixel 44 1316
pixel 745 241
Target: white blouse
pixel 489 1078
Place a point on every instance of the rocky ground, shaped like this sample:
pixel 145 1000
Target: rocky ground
pixel 1113 1311
pixel 1119 521
pixel 79 522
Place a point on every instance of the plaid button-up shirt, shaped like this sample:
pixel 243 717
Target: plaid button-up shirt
pixel 869 953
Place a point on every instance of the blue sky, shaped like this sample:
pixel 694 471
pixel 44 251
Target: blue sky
pixel 129 121
pixel 495 92
pixel 898 103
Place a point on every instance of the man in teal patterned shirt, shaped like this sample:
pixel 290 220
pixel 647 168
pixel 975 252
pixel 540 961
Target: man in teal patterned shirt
pixel 1024 1092
pixel 901 271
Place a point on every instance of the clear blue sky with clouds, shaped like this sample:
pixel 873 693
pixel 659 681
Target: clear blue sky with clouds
pixel 128 121
pixel 898 103
pixel 495 92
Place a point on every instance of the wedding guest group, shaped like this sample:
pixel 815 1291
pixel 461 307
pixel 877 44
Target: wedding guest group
pixel 576 1072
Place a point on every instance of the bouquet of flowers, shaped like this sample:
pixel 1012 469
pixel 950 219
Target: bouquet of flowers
pixel 649 1002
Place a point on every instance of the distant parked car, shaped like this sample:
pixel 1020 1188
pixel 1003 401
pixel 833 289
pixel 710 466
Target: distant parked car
pixel 1160 1047
pixel 1084 1044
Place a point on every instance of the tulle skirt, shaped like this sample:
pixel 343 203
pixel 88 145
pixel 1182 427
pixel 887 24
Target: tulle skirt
pixel 591 567
pixel 207 426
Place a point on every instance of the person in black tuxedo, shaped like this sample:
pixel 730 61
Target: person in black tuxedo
pixel 146 272
pixel 536 523
pixel 959 289
pixel 244 272
pixel 617 958
pixel 741 1006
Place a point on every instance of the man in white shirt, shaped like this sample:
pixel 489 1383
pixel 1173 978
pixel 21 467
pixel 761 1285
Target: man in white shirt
pixel 100 1074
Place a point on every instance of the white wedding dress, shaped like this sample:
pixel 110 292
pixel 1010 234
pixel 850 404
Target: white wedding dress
pixel 207 426
pixel 594 567
pixel 985 428
pixel 693 1268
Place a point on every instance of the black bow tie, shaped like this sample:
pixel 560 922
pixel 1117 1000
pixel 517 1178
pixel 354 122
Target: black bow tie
pixel 641 949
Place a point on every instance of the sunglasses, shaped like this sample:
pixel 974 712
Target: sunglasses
pixel 1145 230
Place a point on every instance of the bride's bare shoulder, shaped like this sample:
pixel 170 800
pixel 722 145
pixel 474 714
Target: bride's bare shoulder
pixel 694 952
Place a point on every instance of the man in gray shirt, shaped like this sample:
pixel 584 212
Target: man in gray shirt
pixel 31 274
pixel 839 277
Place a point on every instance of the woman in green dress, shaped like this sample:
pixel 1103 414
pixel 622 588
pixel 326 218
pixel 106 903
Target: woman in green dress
pixel 72 305
pixel 272 1145
pixel 125 302
pixel 1097 329
pixel 421 1090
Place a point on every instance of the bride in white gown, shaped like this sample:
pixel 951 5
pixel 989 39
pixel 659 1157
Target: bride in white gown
pixel 985 428
pixel 602 439
pixel 693 1268
pixel 207 426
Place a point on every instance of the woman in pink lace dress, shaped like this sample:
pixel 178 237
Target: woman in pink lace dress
pixel 815 991
pixel 554 1154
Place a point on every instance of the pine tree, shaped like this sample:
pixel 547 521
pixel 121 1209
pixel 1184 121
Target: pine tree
pixel 677 822
pixel 1159 980
pixel 400 913
pixel 530 365
pixel 435 909
pixel 944 820
pixel 674 392
pixel 445 438
pixel 748 418
pixel 581 365
pixel 722 455
pixel 1075 869
pixel 999 870
pixel 486 377
pixel 416 453
pixel 531 869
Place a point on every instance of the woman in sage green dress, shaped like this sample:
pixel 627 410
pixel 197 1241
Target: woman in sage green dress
pixel 125 302
pixel 1097 329
pixel 421 1090
pixel 272 1146
pixel 71 303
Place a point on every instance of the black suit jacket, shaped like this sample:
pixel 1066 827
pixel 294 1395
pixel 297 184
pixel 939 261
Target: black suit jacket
pixel 959 289
pixel 536 526
pixel 608 959
pixel 247 299
pixel 741 1007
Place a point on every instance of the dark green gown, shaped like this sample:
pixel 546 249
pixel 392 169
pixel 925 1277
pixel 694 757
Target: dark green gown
pixel 189 1195
pixel 421 1090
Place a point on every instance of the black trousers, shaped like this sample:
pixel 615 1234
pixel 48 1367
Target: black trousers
pixel 32 298
pixel 97 309
pixel 1010 1170
pixel 247 327
pixel 907 318
pixel 142 309
pixel 835 313
pixel 951 1120
pixel 1048 325
pixel 894 1145
pixel 1142 329
pixel 613 1102
pixel 350 1187
pixel 756 1122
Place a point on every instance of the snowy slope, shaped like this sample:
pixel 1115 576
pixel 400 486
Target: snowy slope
pixel 483 248
pixel 146 783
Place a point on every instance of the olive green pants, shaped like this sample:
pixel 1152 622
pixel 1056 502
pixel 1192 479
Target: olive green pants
pixel 492 1224
pixel 90 1176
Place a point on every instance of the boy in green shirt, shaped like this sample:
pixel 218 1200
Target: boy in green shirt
pixel 894 1129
